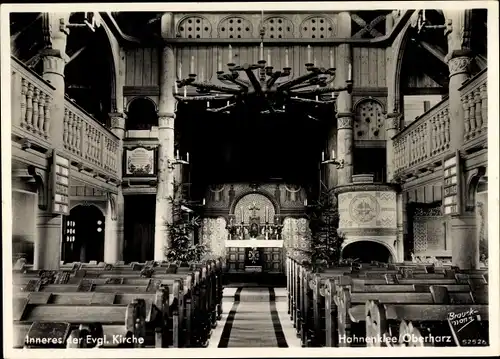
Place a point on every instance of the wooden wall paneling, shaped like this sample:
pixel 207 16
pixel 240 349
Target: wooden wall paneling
pixel 147 67
pixel 381 69
pixel 139 66
pixel 130 66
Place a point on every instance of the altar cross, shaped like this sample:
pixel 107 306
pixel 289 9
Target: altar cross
pixel 254 208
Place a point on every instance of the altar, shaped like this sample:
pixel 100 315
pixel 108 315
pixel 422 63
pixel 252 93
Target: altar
pixel 254 242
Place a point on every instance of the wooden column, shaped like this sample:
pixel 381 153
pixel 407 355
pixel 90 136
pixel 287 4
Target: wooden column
pixel 115 211
pixel 344 104
pixel 166 118
pixel 464 237
pixel 48 236
pixel 391 128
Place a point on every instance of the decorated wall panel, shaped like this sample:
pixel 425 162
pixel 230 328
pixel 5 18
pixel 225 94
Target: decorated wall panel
pixel 254 205
pixel 428 231
pixel 284 196
pixel 296 233
pixel 213 234
pixel 369 120
pixel 367 210
pixel 142 67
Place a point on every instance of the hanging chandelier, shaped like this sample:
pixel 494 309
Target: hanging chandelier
pixel 264 88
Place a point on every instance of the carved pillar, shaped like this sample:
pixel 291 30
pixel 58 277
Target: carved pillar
pixel 465 243
pixel 165 189
pixel 115 209
pixel 392 128
pixel 54 60
pixel 344 104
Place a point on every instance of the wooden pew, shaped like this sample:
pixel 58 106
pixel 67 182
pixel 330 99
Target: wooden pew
pixel 32 322
pixel 305 299
pixel 419 325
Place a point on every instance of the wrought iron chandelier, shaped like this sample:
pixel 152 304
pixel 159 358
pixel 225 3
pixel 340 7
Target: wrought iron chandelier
pixel 265 89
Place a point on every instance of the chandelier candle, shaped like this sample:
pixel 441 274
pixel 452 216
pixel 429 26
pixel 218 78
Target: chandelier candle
pixel 191 68
pixel 286 58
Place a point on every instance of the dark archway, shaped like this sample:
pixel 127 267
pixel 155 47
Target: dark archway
pixel 83 235
pixel 141 114
pixel 367 251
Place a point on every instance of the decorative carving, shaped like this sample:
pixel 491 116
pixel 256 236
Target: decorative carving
pixel 194 27
pixel 364 208
pixel 366 188
pixel 367 28
pixel 112 203
pixel 393 121
pixel 317 27
pixel 235 27
pixel 278 27
pixel 117 120
pixel 42 189
pixel 369 120
pixel 344 122
pixel 459 65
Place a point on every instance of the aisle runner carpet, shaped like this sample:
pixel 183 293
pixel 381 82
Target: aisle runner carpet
pixel 253 321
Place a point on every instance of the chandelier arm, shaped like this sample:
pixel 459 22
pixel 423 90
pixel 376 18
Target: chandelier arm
pixel 240 83
pixel 253 80
pixel 274 77
pixel 202 98
pixel 221 109
pixel 296 87
pixel 210 86
pixel 323 90
pixel 306 100
pixel 296 81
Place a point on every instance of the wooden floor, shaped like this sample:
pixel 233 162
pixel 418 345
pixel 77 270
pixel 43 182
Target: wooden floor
pixel 254 316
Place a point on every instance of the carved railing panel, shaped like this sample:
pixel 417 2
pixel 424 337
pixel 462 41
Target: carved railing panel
pixel 31 101
pixel 474 97
pixel 88 140
pixel 425 140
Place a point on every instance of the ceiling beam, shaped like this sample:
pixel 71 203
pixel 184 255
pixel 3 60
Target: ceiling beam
pixel 76 53
pixel 16 35
pixel 435 50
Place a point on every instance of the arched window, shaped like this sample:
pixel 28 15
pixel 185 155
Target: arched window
pixel 141 114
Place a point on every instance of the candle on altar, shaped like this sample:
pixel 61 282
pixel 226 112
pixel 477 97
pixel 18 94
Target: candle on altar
pixel 323 156
pixel 333 154
pixel 230 55
pixel 286 57
pixel 349 78
pixel 191 68
pixel 268 57
pixel 208 104
pixel 261 52
pixel 204 201
pixel 227 103
pixel 177 154
pixel 185 91
pixel 309 54
pixel 187 157
pixel 305 202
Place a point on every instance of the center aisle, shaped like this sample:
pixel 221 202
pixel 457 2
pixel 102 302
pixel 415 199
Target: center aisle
pixel 255 319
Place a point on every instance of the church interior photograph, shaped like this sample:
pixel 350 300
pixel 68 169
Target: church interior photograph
pixel 251 178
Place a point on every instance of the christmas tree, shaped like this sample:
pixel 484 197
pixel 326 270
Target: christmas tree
pixel 182 249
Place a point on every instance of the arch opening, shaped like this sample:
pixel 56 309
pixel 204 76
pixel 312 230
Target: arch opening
pixel 83 235
pixel 141 114
pixel 367 251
